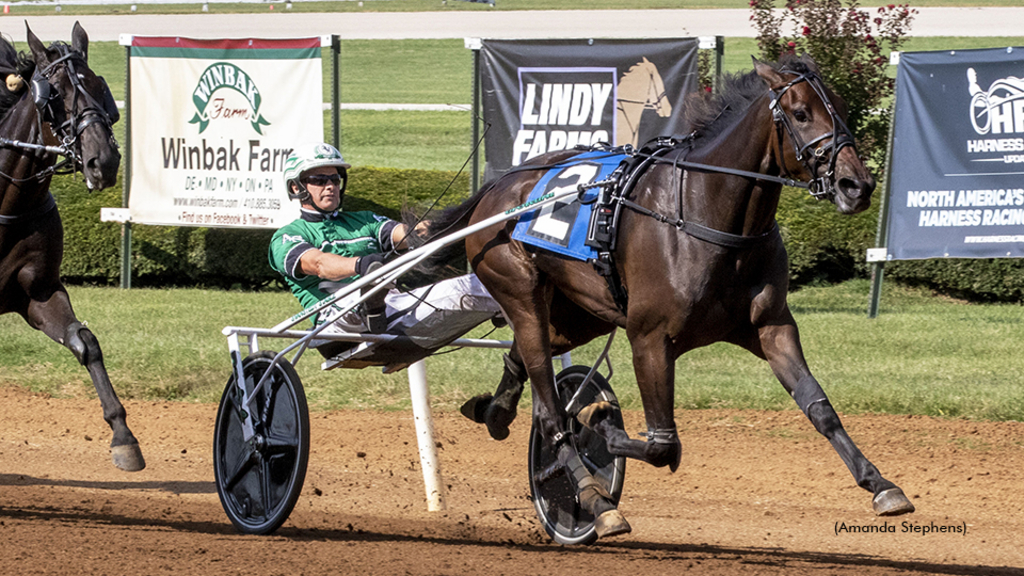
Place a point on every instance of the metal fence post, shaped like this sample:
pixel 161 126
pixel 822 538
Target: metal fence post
pixel 126 185
pixel 882 234
pixel 336 91
pixel 475 45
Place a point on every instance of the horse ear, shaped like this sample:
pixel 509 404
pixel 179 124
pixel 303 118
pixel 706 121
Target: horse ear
pixel 767 73
pixel 811 64
pixel 80 41
pixel 37 48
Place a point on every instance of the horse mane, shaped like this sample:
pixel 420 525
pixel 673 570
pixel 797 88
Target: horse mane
pixel 12 62
pixel 709 114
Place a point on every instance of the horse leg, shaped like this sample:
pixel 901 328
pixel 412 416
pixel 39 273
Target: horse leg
pixel 570 328
pixel 55 318
pixel 529 313
pixel 780 345
pixel 655 375
pixel 498 411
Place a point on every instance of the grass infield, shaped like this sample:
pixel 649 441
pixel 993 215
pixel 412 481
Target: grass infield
pixel 923 355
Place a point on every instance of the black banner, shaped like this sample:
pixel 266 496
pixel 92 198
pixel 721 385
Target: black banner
pixel 957 181
pixel 546 95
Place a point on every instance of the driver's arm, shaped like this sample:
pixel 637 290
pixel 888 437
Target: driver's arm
pixel 327 266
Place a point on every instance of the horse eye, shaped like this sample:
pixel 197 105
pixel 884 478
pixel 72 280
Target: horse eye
pixel 800 115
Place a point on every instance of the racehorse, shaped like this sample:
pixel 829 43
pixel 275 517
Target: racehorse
pixel 699 259
pixel 641 88
pixel 64 109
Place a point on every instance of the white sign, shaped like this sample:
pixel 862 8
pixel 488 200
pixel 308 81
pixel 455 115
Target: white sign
pixel 212 122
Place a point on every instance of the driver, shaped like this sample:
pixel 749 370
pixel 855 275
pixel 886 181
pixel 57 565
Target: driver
pixel 327 248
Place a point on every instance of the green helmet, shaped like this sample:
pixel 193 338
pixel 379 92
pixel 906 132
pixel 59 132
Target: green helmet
pixel 307 157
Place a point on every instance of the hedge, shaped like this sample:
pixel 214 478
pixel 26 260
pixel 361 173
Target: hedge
pixel 188 256
pixel 824 246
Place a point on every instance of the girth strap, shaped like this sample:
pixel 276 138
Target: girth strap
pixel 32 214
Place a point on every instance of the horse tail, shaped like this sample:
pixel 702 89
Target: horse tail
pixel 451 260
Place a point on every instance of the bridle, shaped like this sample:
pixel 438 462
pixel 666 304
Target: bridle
pixel 68 128
pixel 820 186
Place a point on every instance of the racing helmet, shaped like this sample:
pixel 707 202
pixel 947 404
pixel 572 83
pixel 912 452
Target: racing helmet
pixel 307 157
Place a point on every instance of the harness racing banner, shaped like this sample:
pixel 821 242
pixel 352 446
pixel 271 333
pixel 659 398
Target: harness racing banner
pixel 545 95
pixel 212 122
pixel 957 180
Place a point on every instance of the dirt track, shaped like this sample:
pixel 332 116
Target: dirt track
pixel 758 493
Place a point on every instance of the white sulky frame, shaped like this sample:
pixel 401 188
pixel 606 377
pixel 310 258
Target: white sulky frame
pixel 374 282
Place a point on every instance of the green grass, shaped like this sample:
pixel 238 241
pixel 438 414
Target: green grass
pixel 923 355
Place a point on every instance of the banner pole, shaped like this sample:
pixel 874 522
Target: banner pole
pixel 882 234
pixel 336 91
pixel 719 56
pixel 475 173
pixel 126 186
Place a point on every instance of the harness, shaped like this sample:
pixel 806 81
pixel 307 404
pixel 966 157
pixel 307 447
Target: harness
pixel 49 102
pixel 614 192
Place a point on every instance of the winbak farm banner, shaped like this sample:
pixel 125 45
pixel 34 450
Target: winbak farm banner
pixel 957 182
pixel 212 122
pixel 545 95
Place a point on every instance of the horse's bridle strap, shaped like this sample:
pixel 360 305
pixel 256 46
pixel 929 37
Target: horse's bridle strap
pixel 32 214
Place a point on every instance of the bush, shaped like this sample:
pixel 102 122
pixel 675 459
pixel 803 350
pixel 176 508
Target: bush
pixel 187 256
pixel 851 49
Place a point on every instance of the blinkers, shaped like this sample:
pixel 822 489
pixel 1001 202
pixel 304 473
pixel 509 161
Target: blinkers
pixel 85 109
pixel 48 101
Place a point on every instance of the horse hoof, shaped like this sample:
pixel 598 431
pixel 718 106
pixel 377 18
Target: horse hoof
pixel 498 419
pixel 892 502
pixel 476 407
pixel 497 432
pixel 611 523
pixel 128 457
pixel 593 413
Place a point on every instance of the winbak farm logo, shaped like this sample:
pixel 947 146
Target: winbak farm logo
pixel 208 107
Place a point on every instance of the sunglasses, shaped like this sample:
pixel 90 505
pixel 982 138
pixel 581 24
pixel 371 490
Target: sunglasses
pixel 323 179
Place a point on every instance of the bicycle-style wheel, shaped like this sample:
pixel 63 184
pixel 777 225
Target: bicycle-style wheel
pixel 554 496
pixel 259 480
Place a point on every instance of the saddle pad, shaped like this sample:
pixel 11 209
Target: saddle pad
pixel 561 227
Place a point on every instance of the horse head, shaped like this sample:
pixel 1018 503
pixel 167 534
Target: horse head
pixel 89 107
pixel 812 140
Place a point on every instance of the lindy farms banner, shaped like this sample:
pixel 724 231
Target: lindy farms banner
pixel 545 95
pixel 957 186
pixel 212 122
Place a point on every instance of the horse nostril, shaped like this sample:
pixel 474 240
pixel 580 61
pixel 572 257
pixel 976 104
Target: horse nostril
pixel 854 188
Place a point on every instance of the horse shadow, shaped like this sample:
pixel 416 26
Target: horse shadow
pixel 170 487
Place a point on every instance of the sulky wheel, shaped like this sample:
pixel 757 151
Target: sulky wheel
pixel 554 496
pixel 259 481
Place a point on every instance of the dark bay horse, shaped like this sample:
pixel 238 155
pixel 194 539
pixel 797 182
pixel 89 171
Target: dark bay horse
pixel 699 259
pixel 53 104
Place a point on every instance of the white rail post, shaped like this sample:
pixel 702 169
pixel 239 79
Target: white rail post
pixel 425 436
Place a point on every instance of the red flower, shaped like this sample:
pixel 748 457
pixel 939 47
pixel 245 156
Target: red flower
pixel 892 6
pixel 791 44
pixel 807 30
